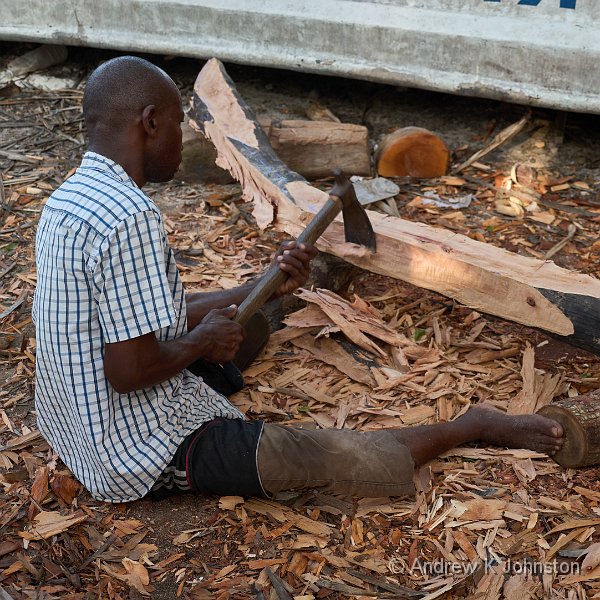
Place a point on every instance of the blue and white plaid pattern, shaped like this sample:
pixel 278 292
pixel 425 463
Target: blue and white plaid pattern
pixel 106 273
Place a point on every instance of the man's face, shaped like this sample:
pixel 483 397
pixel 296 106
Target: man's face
pixel 164 150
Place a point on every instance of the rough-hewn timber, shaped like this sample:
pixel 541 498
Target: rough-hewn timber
pixel 489 279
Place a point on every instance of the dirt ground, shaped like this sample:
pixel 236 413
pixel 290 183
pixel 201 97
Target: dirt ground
pixel 209 547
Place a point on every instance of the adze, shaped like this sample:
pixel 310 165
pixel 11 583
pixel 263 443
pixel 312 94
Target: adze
pixel 357 229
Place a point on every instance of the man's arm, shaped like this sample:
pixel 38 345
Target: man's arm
pixel 295 261
pixel 144 361
pixel 199 304
pixel 140 362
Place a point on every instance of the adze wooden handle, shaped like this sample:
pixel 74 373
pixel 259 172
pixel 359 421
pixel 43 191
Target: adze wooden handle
pixel 274 277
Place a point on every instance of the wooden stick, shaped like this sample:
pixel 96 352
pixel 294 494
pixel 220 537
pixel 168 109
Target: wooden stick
pixel 503 137
pixel 31 160
pixel 15 305
pixel 274 277
pixel 278 585
pixel 571 231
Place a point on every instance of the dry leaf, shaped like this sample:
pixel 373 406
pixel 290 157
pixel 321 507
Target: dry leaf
pixel 520 587
pixel 592 558
pixel 46 524
pixel 137 575
pixel 39 490
pixel 230 502
pixel 66 488
pixel 189 534
pixel 480 509
pixel 225 571
pixel 525 470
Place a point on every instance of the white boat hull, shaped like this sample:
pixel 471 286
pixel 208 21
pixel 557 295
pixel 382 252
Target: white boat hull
pixel 537 52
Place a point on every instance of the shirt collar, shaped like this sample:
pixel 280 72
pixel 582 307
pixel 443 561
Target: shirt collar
pixel 102 164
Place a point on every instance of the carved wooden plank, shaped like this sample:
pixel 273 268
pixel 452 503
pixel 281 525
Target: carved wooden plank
pixel 489 279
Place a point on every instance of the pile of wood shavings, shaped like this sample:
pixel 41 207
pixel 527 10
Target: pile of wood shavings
pixel 379 354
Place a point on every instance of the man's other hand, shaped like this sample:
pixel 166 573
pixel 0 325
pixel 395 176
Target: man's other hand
pixel 294 259
pixel 224 336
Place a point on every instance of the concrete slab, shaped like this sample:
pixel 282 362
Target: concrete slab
pixel 537 52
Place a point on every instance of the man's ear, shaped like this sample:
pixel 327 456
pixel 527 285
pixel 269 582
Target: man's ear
pixel 149 120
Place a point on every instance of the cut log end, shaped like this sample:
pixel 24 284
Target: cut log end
pixel 580 420
pixel 414 152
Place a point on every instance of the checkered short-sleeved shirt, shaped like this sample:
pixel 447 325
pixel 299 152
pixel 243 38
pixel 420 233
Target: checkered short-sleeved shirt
pixel 106 273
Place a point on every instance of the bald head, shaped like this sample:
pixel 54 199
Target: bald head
pixel 118 91
pixel 133 114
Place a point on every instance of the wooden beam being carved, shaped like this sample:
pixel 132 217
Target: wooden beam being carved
pixel 489 279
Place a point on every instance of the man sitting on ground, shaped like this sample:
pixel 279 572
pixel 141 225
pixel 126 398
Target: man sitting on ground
pixel 130 388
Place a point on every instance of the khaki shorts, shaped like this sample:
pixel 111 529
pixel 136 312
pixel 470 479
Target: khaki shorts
pixel 356 463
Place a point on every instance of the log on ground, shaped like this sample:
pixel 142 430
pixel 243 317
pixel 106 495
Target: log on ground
pixel 314 148
pixel 412 151
pixel 486 278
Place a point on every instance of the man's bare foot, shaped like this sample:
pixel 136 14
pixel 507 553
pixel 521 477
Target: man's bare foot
pixel 533 432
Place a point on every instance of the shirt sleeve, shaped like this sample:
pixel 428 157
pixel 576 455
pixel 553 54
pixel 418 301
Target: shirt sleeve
pixel 133 292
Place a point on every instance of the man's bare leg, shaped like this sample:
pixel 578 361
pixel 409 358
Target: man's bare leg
pixel 490 425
